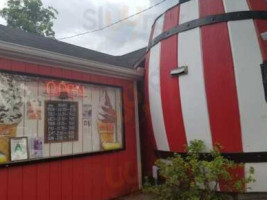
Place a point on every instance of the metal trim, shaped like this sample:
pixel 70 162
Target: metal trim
pixel 264 78
pixel 246 157
pixel 180 2
pixel 53 159
pixel 179 71
pixel 212 19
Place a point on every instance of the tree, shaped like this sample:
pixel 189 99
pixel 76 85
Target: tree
pixel 30 16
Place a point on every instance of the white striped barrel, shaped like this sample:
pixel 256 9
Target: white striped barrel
pixel 221 99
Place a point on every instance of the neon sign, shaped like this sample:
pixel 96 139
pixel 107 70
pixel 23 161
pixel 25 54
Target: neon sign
pixel 54 88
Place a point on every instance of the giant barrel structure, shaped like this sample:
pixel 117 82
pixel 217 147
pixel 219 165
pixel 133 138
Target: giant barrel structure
pixel 206 79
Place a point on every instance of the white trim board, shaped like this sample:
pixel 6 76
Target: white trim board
pixel 38 56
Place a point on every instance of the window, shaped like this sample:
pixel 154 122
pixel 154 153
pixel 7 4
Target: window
pixel 59 117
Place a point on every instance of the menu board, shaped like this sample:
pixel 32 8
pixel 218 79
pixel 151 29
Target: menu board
pixel 61 121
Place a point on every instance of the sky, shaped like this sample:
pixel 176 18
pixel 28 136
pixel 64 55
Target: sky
pixel 78 16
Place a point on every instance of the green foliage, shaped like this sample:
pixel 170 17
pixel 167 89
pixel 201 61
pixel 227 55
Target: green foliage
pixel 195 178
pixel 30 16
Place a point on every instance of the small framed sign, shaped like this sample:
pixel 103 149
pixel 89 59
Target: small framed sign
pixel 19 148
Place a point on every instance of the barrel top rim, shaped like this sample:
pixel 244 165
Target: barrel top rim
pixel 179 3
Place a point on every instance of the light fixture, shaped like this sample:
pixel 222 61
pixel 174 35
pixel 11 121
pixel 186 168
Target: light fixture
pixel 180 70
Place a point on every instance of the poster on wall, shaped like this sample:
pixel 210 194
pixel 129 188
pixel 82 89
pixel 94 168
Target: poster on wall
pixel 61 121
pixel 107 119
pixel 11 103
pixel 87 115
pixel 59 117
pixel 34 108
pixel 4 149
pixel 36 147
pixel 18 148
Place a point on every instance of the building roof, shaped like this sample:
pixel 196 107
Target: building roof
pixel 16 36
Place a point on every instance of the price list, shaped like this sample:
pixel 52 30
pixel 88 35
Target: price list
pixel 61 121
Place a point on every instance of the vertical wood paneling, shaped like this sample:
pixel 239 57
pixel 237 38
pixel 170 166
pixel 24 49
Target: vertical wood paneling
pixel 43 181
pixel 119 115
pixel 55 181
pixel 42 97
pixel 15 183
pixel 78 145
pixel 3 184
pixel 5 64
pixel 95 105
pixel 31 95
pixel 18 66
pixel 84 178
pixel 86 128
pixel 67 180
pixel 29 182
pixel 31 68
pixel 96 179
pixel 78 179
pixel 56 148
pixel 21 126
pixel 88 178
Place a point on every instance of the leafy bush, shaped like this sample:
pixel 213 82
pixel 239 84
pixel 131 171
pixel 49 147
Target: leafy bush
pixel 195 178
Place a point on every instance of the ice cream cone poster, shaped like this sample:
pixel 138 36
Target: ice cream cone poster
pixel 87 115
pixel 4 149
pixel 107 119
pixel 19 148
pixel 10 105
pixel 36 147
pixel 34 108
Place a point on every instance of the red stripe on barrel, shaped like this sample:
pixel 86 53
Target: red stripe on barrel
pixel 220 81
pixel 261 25
pixel 170 95
pixel 220 85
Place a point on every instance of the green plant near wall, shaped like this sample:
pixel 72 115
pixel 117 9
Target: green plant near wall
pixel 195 178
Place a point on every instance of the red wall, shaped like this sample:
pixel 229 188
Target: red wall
pixel 96 177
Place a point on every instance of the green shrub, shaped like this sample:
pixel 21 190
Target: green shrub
pixel 195 178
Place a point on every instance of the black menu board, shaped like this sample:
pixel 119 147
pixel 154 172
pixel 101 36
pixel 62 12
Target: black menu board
pixel 61 121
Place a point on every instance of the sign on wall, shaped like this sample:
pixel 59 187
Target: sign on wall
pixel 61 121
pixel 59 117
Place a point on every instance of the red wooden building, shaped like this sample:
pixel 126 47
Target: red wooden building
pixel 77 111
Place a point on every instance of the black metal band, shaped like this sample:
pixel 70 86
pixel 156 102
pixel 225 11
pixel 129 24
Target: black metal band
pixel 212 19
pixel 254 157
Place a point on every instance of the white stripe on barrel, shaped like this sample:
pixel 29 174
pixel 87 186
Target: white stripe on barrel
pixel 247 59
pixel 260 176
pixel 192 87
pixel 253 109
pixel 154 91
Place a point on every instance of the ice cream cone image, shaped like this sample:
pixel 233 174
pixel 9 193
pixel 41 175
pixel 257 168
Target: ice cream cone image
pixel 8 130
pixel 106 123
pixel 106 131
pixel 4 149
pixel 10 112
